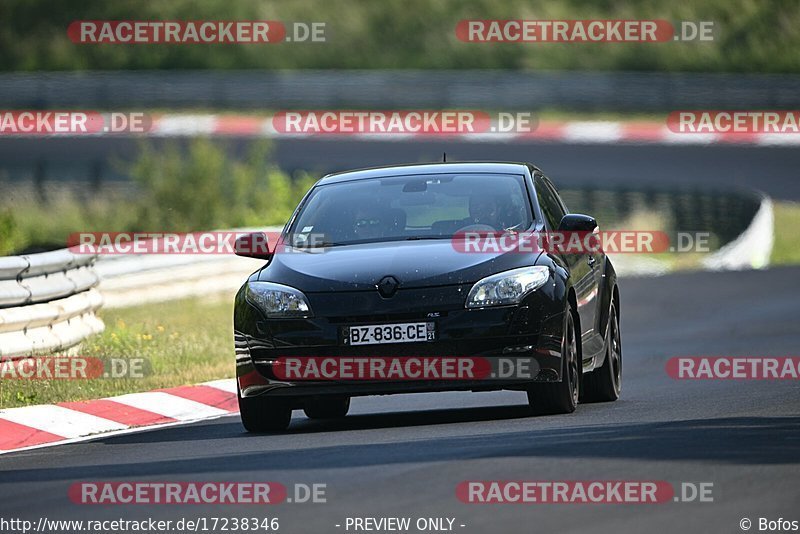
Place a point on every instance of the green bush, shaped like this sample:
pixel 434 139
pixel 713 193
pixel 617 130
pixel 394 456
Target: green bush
pixel 179 188
pixel 200 187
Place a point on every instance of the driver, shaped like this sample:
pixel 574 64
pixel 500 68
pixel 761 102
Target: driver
pixel 483 209
pixel 367 223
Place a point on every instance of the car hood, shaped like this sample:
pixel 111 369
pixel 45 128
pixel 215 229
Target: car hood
pixel 359 267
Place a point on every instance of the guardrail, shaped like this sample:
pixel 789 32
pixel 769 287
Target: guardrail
pixel 399 89
pixel 139 279
pixel 753 248
pixel 47 302
pixel 130 279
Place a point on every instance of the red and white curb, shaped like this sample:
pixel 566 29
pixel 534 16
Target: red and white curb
pixel 587 132
pixel 577 132
pixel 52 424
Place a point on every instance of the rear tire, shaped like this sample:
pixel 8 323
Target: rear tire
pixel 263 414
pixel 560 397
pixel 327 408
pixel 604 384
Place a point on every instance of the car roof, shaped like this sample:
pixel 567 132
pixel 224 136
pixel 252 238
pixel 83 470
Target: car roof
pixel 427 168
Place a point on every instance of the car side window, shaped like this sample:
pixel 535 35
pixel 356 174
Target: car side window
pixel 558 198
pixel 549 203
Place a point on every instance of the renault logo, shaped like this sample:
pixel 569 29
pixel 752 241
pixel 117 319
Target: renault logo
pixel 387 287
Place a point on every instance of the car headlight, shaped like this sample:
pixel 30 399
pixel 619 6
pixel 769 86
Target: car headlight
pixel 507 287
pixel 276 300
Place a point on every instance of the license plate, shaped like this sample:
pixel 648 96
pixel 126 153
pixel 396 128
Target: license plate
pixel 389 333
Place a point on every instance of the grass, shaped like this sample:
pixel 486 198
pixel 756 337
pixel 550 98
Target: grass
pixel 181 342
pixel 786 247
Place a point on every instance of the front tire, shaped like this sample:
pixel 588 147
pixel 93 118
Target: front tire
pixel 560 397
pixel 263 414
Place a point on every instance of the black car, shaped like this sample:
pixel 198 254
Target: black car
pixel 367 267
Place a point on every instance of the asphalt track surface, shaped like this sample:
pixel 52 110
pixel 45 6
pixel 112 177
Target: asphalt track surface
pixel 404 455
pixel 773 169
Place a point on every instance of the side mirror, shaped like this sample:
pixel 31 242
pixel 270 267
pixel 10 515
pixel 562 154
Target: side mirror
pixel 254 245
pixel 575 222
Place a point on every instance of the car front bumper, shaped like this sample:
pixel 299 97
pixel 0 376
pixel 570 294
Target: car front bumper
pixel 529 331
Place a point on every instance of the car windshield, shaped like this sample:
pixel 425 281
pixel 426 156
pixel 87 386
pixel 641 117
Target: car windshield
pixel 431 206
